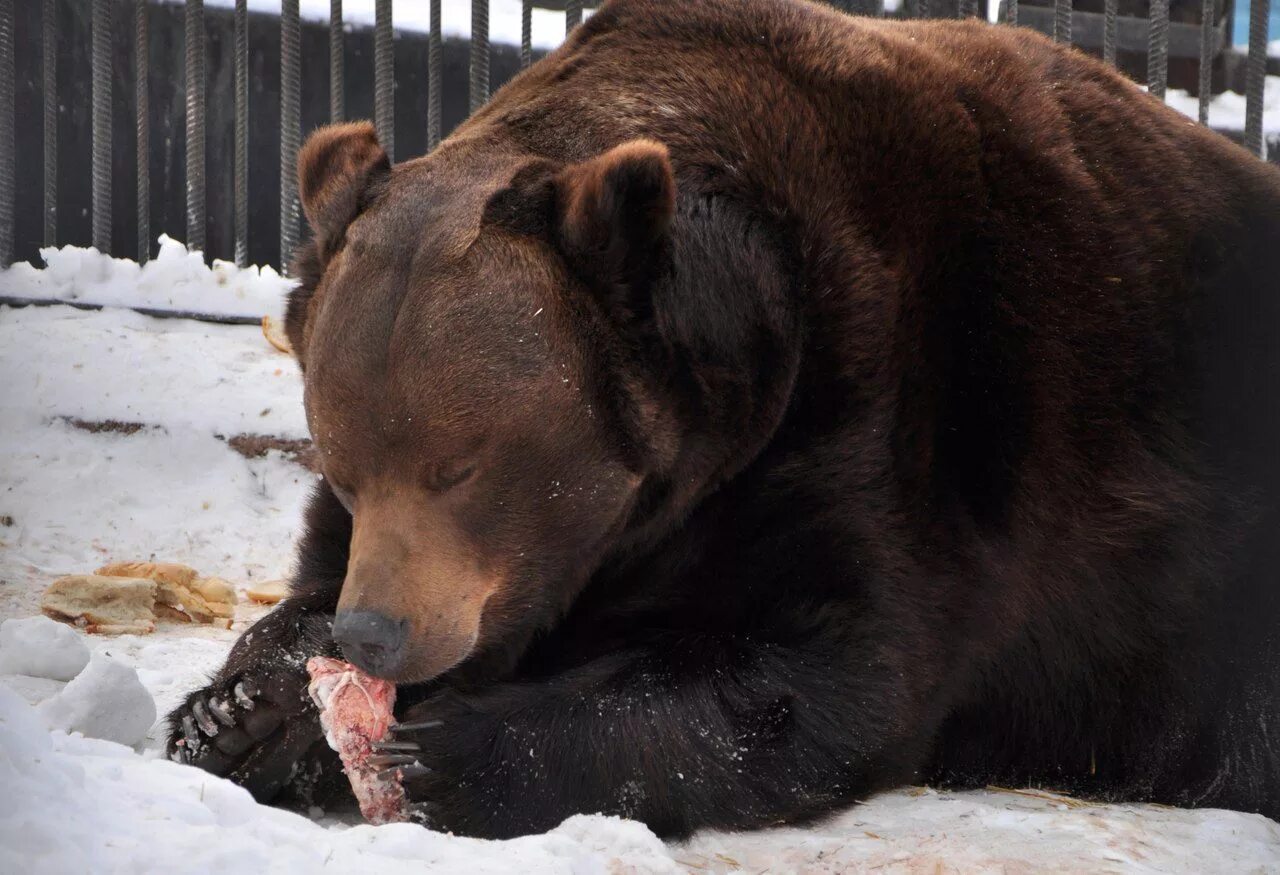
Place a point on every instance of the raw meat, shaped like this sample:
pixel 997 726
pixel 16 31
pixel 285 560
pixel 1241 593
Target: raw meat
pixel 355 712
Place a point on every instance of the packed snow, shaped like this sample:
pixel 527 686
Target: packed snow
pixel 39 647
pixel 87 787
pixel 105 701
pixel 174 280
pixel 1226 110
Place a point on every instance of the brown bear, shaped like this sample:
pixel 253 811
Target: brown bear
pixel 754 407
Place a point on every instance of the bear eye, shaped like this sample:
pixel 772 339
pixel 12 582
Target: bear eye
pixel 450 474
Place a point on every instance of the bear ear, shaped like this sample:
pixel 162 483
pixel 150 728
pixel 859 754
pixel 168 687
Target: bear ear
pixel 526 204
pixel 336 167
pixel 613 212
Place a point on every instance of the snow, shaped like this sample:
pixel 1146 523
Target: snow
pixel 106 700
pixel 171 489
pixel 1226 110
pixel 546 25
pixel 176 491
pixel 174 280
pixel 41 648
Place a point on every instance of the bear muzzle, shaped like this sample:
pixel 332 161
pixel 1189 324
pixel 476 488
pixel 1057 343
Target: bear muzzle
pixel 412 602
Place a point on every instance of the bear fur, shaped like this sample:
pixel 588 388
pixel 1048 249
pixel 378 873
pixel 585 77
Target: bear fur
pixel 753 407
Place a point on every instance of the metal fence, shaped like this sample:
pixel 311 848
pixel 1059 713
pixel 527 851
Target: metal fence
pixel 1107 32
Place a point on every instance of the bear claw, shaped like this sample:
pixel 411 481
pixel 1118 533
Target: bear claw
pixel 393 746
pixel 191 737
pixel 412 727
pixel 203 719
pixel 221 712
pixel 410 772
pixel 384 760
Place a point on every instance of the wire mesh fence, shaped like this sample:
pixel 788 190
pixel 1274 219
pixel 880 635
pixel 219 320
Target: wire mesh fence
pixel 1119 34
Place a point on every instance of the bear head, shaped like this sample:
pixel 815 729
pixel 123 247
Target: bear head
pixel 456 322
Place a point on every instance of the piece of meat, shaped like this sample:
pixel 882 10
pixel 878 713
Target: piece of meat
pixel 355 712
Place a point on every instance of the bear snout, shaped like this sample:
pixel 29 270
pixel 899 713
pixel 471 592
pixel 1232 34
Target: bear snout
pixel 372 641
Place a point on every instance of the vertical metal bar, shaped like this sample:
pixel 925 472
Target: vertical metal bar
pixel 101 137
pixel 1158 48
pixel 1110 23
pixel 240 181
pixel 384 82
pixel 142 121
pixel 434 51
pixel 922 8
pixel 196 212
pixel 479 53
pixel 337 90
pixel 572 15
pixel 290 98
pixel 1206 58
pixel 1011 13
pixel 49 87
pixel 1062 21
pixel 8 171
pixel 1256 74
pixel 526 34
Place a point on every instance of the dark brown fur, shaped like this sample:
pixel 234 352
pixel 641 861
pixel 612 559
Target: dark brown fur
pixel 911 410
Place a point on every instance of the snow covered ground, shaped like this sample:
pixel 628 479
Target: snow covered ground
pixel 116 443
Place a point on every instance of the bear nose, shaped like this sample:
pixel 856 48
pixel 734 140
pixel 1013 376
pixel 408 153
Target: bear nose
pixel 371 641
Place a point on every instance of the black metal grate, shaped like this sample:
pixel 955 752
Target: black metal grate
pixel 240 181
pixel 101 60
pixel 195 125
pixel 7 163
pixel 142 127
pixel 337 88
pixel 384 83
pixel 49 85
pixel 479 53
pixel 290 122
pixel 1106 32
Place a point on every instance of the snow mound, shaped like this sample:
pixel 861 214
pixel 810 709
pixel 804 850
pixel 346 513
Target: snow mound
pixel 175 279
pixel 82 805
pixel 106 700
pixel 40 648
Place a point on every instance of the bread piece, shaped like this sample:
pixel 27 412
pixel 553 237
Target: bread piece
pixel 182 595
pixel 274 333
pixel 102 604
pixel 160 572
pixel 268 592
pixel 206 600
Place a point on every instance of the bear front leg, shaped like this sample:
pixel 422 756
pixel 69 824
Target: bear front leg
pixel 682 736
pixel 254 722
